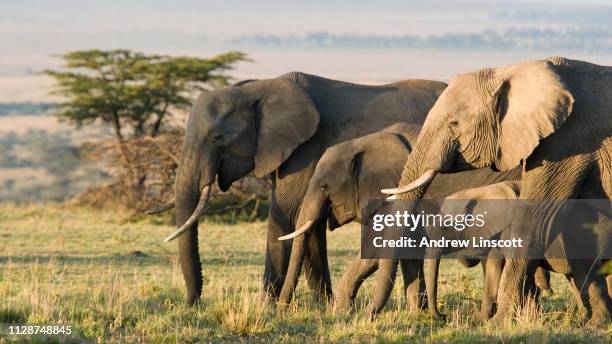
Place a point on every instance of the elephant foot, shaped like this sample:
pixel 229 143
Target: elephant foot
pixel 502 317
pixel 372 313
pixel 343 303
pixel 284 300
pixel 282 303
pixel 487 312
pixel 192 300
pixel 598 321
pixel 437 315
pixel 416 304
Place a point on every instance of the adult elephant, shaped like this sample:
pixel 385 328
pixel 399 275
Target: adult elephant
pixel 279 127
pixel 345 187
pixel 552 117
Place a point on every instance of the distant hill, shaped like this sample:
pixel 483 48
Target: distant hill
pixel 24 108
pixel 596 38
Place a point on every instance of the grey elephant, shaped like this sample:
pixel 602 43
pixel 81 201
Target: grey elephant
pixel 499 201
pixel 551 117
pixel 346 181
pixel 278 127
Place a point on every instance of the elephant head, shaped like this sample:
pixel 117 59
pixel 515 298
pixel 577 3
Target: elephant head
pixel 348 176
pixel 492 117
pixel 251 126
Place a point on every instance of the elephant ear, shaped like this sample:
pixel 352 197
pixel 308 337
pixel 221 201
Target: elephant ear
pixel 285 117
pixel 532 102
pixel 381 162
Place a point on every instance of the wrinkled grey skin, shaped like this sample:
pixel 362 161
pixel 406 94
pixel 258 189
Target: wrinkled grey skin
pixel 280 127
pixel 583 272
pixel 552 117
pixel 346 180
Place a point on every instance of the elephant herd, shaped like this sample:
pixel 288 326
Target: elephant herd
pixel 535 130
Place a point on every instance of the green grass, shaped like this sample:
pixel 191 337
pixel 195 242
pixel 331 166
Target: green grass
pixel 66 265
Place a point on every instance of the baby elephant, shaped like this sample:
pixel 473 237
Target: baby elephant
pixel 347 180
pixel 498 201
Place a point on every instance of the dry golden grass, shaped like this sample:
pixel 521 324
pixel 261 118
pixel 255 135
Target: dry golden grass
pixel 115 280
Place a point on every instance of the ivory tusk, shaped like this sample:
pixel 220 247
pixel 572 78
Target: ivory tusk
pixel 421 181
pixel 299 232
pixel 197 212
pixel 160 208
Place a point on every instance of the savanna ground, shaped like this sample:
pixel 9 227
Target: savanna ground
pixel 114 280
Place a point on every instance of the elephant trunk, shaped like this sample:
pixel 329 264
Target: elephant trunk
pixel 310 212
pixel 296 261
pixel 192 190
pixel 432 153
pixel 387 271
pixel 432 267
pixel 419 170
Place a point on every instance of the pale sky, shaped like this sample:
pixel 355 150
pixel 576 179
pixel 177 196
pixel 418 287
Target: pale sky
pixel 32 31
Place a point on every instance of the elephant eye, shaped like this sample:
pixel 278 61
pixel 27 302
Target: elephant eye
pixel 453 125
pixel 324 187
pixel 216 137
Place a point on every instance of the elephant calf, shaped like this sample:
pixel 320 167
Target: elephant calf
pixel 498 201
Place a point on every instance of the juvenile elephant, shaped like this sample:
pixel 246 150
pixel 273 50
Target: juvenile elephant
pixel 278 127
pixel 552 117
pixel 498 201
pixel 346 181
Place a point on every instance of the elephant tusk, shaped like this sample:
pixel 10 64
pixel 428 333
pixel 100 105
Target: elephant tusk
pixel 421 181
pixel 197 212
pixel 160 208
pixel 299 232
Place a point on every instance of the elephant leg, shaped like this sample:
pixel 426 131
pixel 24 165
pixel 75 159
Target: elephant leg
pixel 542 279
pixel 286 195
pixel 414 284
pixel 277 252
pixel 432 265
pixel 352 280
pixel 580 297
pixel 316 266
pixel 492 268
pixel 532 292
pixel 587 279
pixel 384 285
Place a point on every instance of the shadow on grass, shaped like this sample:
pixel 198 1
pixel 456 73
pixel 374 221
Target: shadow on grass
pixel 533 336
pixel 12 316
pixel 84 260
pixel 135 259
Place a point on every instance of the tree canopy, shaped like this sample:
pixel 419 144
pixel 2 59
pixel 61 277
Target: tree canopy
pixel 131 89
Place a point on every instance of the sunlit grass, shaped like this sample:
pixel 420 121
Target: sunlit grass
pixel 115 280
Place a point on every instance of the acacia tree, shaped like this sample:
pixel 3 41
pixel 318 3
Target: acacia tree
pixel 135 94
pixel 130 89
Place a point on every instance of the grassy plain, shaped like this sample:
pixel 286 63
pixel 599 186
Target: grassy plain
pixel 115 281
